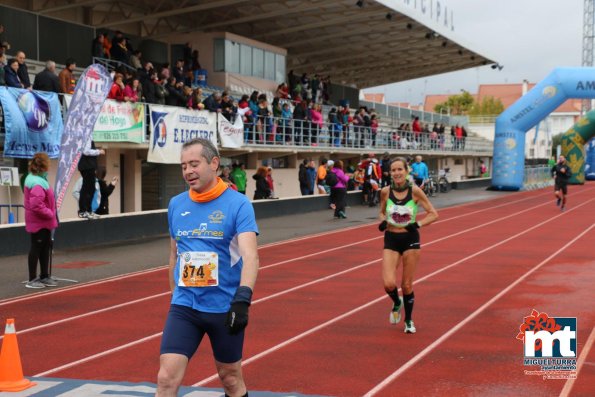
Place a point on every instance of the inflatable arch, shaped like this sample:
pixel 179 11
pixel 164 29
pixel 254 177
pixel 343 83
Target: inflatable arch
pixel 590 162
pixel 524 114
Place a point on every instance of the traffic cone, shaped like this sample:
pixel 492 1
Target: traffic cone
pixel 11 371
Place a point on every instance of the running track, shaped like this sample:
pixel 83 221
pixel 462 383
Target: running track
pixel 319 320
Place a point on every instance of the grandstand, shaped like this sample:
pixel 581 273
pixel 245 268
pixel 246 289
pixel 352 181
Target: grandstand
pixel 247 46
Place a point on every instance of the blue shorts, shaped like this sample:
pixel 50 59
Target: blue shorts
pixel 185 328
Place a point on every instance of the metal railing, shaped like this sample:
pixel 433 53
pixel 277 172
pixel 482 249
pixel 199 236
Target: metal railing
pixel 304 133
pixel 10 211
pixel 537 177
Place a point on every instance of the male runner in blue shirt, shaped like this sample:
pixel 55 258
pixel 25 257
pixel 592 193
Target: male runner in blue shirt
pixel 212 271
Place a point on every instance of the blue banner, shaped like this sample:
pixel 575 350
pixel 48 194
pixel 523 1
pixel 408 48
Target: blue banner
pixel 89 94
pixel 33 122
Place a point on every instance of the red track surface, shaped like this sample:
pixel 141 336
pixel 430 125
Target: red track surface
pixel 319 323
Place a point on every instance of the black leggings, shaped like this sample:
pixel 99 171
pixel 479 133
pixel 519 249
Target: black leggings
pixel 40 251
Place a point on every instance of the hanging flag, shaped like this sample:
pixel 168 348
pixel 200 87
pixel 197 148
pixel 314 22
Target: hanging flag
pixel 89 94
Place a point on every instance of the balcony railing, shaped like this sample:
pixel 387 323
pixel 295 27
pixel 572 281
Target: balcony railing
pixel 264 132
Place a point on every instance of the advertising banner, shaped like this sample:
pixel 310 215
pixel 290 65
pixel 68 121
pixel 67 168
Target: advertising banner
pixel 120 122
pixel 231 135
pixel 171 127
pixel 33 122
pixel 89 94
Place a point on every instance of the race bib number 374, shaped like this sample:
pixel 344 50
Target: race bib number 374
pixel 199 269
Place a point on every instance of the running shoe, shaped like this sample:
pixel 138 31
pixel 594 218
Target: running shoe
pixel 48 282
pixel 409 327
pixel 35 283
pixel 563 208
pixel 558 202
pixel 395 314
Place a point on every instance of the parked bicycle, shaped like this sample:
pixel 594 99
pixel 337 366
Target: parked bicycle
pixel 430 186
pixel 443 182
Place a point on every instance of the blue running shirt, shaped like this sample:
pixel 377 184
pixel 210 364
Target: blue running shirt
pixel 209 266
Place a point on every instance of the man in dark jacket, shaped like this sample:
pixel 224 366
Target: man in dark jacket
pixel 23 71
pixel 46 80
pixel 303 178
pixel 88 168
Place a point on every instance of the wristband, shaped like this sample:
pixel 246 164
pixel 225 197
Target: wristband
pixel 243 294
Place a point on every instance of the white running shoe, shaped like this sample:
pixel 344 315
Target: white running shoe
pixel 395 315
pixel 409 327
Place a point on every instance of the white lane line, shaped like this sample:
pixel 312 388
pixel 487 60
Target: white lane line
pixel 262 268
pixel 464 322
pixel 274 348
pixel 304 334
pixel 133 274
pixel 581 360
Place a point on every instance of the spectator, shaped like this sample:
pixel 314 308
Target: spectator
pixel 286 116
pixel 88 168
pixel 117 90
pixel 419 171
pixel 98 49
pixel 321 175
pixel 195 100
pixel 187 57
pixel 195 64
pixel 119 51
pixel 238 174
pixel 271 182
pixel 282 91
pixel 385 167
pixel 3 43
pixel 228 110
pixel 263 190
pixel 135 60
pixel 46 80
pixel 95 201
pixel 11 74
pixel 40 220
pixel 23 71
pixel 213 102
pixel 106 189
pixel 178 71
pixel 66 76
pixel 175 95
pixel 317 122
pixel 339 191
pixel 311 169
pixel 226 177
pixel 303 178
pixel 133 92
pixel 107 46
pixel 159 89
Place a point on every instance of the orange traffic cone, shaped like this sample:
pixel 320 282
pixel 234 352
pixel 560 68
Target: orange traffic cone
pixel 11 371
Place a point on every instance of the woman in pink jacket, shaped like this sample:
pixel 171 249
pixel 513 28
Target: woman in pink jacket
pixel 40 220
pixel 339 190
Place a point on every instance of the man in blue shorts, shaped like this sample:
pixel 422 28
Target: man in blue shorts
pixel 213 265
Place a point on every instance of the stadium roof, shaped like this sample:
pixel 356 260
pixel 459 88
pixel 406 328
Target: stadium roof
pixel 361 43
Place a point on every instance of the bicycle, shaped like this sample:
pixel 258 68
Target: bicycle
pixel 430 186
pixel 443 182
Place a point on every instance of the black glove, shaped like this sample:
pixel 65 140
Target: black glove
pixel 383 225
pixel 237 317
pixel 412 226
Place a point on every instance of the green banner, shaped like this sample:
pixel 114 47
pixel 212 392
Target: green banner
pixel 120 122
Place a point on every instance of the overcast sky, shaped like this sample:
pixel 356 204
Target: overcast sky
pixel 528 37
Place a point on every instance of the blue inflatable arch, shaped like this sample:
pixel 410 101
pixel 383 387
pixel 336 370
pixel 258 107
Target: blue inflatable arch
pixel 526 113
